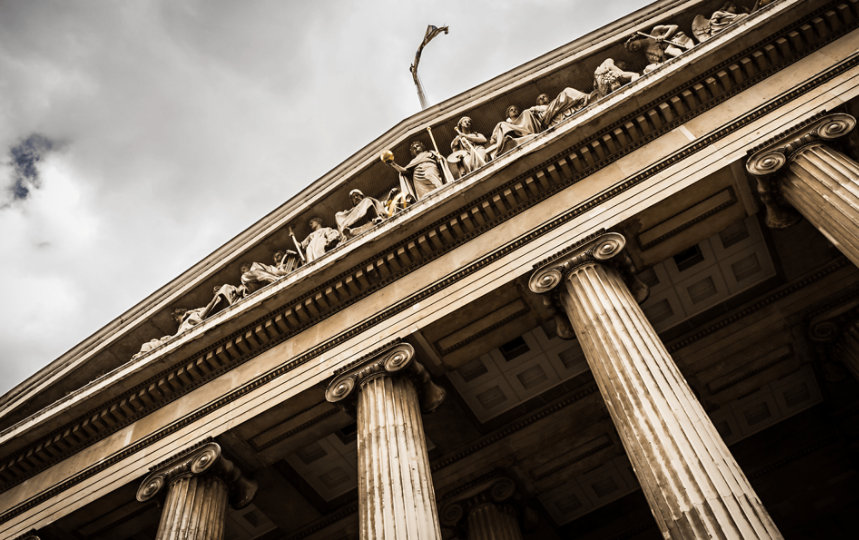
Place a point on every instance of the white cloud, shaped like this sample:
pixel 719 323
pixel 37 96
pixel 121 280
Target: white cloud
pixel 182 123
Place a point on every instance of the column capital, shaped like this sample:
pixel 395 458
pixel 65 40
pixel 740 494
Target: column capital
pixel 394 359
pixel 494 490
pixel 202 458
pixel 773 155
pixel 600 247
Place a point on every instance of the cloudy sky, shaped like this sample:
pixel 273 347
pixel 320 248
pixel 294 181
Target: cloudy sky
pixel 138 136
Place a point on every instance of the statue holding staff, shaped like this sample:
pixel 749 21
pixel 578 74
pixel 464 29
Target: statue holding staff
pixel 320 240
pixel 469 152
pixel 427 170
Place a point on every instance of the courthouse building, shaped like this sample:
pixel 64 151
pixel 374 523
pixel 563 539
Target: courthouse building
pixel 627 310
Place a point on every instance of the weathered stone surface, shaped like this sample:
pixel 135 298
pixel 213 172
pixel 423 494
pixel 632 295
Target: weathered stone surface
pixel 690 479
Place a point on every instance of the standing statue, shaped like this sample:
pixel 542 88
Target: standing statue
pixel 516 129
pixel 664 41
pixel 258 275
pixel 320 240
pixel 704 29
pixel 428 171
pixel 608 77
pixel 469 152
pixel 365 212
pixel 567 102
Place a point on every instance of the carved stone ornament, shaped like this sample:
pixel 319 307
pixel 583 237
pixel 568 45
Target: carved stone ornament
pixel 495 490
pixel 777 152
pixel 203 459
pixel 395 360
pixel 600 247
pixel 766 163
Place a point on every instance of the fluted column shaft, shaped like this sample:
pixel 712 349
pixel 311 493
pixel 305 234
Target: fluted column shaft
pixel 396 496
pixel 195 508
pixel 488 521
pixel 823 185
pixel 847 349
pixel 693 485
pixel 799 170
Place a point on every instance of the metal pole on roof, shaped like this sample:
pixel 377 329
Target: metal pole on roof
pixel 432 31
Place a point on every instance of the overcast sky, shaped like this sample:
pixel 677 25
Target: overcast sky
pixel 138 136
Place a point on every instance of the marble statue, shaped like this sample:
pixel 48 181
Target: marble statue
pixel 704 28
pixel 188 318
pixel 517 128
pixel 223 297
pixel 567 102
pixel 542 102
pixel 320 240
pixel 184 318
pixel 608 77
pixel 365 212
pixel 469 150
pixel 665 41
pixel 151 345
pixel 427 169
pixel 258 275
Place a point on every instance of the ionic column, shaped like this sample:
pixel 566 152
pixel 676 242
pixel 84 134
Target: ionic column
pixel 694 487
pixel 485 509
pixel 800 171
pixel 847 349
pixel 200 481
pixel 837 329
pixel 395 492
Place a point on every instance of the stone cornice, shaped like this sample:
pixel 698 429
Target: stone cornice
pixel 393 360
pixel 203 458
pixel 609 143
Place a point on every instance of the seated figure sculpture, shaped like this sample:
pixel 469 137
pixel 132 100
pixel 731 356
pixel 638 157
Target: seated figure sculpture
pixel 568 101
pixel 427 169
pixel 469 152
pixel 664 41
pixel 704 28
pixel 320 240
pixel 608 77
pixel 365 212
pixel 516 129
pixel 258 275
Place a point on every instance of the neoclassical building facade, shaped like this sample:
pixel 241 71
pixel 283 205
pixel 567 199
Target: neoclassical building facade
pixel 612 293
